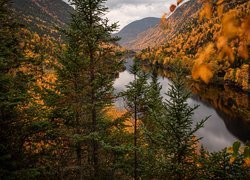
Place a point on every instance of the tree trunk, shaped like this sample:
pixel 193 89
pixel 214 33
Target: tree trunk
pixel 78 144
pixel 135 137
pixel 79 160
pixel 93 116
pixel 95 145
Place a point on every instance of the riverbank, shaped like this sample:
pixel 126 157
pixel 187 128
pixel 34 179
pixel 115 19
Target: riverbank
pixel 217 80
pixel 228 108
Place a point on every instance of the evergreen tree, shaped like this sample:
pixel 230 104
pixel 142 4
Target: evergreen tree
pixel 154 99
pixel 154 105
pixel 175 138
pixel 86 71
pixel 14 97
pixel 228 163
pixel 135 100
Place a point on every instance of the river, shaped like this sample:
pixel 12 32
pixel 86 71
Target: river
pixel 228 108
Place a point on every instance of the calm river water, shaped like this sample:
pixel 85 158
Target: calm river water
pixel 229 110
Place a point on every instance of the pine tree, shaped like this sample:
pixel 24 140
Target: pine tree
pixel 175 138
pixel 228 163
pixel 135 101
pixel 154 98
pixel 154 105
pixel 86 71
pixel 14 98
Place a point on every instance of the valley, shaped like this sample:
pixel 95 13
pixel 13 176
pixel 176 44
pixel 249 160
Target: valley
pixel 164 98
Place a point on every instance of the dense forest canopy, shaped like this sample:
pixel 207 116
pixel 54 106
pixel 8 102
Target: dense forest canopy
pixel 213 43
pixel 57 114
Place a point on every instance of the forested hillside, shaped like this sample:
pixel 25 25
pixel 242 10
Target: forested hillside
pixel 204 43
pixel 58 118
pixel 40 26
pixel 171 25
pixel 43 16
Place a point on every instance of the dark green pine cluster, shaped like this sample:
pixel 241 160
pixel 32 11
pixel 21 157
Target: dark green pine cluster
pixel 14 98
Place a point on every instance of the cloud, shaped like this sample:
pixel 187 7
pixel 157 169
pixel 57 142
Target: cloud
pixel 127 11
pixel 117 3
pixel 66 1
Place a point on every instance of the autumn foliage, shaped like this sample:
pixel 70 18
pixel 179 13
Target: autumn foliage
pixel 172 8
pixel 212 42
pixel 179 2
pixel 57 114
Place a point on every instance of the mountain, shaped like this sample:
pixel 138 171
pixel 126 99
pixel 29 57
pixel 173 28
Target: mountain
pixel 132 30
pixel 210 38
pixel 182 21
pixel 42 16
pixel 176 23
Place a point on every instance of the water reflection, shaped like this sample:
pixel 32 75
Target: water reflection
pixel 229 109
pixel 231 106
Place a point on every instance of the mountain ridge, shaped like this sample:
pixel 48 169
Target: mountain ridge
pixel 212 44
pixel 156 35
pixel 133 29
pixel 43 16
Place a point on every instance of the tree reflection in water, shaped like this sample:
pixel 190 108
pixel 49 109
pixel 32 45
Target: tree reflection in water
pixel 229 108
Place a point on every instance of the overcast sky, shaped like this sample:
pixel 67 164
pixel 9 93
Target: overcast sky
pixel 126 11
